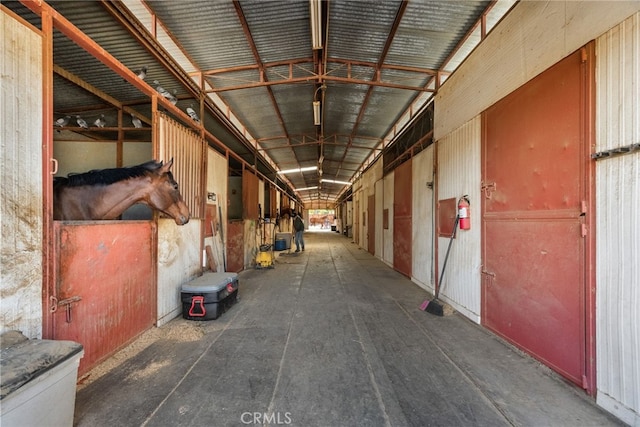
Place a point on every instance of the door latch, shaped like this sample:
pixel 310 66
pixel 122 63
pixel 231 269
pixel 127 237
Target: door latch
pixel 67 303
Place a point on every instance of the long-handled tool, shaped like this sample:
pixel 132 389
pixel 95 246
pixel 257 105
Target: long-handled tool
pixel 434 306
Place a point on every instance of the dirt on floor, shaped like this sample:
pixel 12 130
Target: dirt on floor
pixel 179 330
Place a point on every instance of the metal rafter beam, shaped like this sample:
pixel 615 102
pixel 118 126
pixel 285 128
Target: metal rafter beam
pixel 256 56
pixel 383 56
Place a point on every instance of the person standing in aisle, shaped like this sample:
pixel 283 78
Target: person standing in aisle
pixel 298 227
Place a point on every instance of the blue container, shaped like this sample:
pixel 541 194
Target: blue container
pixel 281 245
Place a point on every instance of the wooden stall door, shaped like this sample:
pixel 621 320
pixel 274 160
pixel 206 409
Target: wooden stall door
pixel 534 204
pixel 402 206
pixel 104 293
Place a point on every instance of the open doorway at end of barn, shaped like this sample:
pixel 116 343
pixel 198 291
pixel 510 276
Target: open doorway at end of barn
pixel 322 220
pixel 537 184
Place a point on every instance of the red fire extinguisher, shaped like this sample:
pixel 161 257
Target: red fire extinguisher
pixel 464 213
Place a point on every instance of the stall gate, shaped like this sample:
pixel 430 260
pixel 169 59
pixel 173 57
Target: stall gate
pixel 104 287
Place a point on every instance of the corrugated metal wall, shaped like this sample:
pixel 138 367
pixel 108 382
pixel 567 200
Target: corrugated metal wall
pixel 422 224
pixel 179 254
pixel 21 166
pixel 459 174
pixel 618 229
pixel 187 150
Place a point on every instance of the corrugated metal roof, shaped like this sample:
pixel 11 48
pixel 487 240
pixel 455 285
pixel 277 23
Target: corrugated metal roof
pixel 257 56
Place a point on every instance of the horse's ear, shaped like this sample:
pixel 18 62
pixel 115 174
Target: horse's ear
pixel 165 167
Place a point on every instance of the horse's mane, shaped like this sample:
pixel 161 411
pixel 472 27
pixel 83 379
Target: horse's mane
pixel 107 176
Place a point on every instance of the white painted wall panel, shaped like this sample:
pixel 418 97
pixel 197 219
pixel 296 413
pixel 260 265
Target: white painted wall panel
pixel 617 225
pixel 531 38
pixel 422 219
pixel 459 174
pixel 21 171
pixel 178 262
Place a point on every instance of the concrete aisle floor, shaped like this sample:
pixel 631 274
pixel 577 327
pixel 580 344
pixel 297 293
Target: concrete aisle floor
pixel 330 337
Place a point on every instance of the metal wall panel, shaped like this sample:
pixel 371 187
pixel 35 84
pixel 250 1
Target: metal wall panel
pixel 459 174
pixel 21 166
pixel 104 285
pixel 531 38
pixel 618 229
pixel 423 224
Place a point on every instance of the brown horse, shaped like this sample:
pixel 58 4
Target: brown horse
pixel 107 193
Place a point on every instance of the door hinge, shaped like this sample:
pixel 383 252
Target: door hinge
pixel 488 188
pixel 585 382
pixel 583 208
pixel 583 230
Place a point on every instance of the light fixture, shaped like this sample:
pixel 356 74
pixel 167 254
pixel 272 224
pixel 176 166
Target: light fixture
pixel 305 169
pixel 315 15
pixel 316 104
pixel 307 188
pixel 335 182
pixel 316 113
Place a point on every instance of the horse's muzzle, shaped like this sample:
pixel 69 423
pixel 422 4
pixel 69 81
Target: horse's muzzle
pixel 182 220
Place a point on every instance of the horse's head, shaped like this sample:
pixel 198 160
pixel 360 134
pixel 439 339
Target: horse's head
pixel 165 195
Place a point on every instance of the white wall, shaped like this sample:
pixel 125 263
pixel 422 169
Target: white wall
pixel 531 38
pixel 459 175
pixel 422 219
pixel 178 262
pixel 80 155
pixel 617 225
pixel 21 202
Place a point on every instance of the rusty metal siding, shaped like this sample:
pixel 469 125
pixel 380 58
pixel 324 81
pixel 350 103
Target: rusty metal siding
pixel 459 174
pixel 618 232
pixel 423 224
pixel 21 166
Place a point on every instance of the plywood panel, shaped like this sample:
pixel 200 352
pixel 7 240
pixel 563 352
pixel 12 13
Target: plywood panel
pixel 21 173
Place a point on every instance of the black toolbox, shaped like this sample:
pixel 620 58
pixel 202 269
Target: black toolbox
pixel 208 296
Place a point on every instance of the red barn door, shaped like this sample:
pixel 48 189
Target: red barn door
pixel 535 197
pixel 105 292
